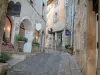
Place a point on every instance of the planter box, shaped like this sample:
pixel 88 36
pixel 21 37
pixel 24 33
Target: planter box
pixel 3 68
pixel 35 49
pixel 7 49
pixel 20 45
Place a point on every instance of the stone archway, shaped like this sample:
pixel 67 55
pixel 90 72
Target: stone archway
pixel 27 26
pixel 38 30
pixel 7 29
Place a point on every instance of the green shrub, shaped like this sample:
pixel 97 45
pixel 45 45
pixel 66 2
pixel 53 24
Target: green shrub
pixel 4 57
pixel 35 44
pixel 67 46
pixel 21 38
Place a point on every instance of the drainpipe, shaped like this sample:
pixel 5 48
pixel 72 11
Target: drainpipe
pixel 73 23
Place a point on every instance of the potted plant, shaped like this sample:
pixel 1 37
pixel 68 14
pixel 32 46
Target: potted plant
pixel 20 40
pixel 35 47
pixel 4 65
pixel 4 58
pixel 69 49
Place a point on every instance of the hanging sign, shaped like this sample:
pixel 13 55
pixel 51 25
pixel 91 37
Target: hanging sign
pixel 67 32
pixel 38 26
pixel 14 9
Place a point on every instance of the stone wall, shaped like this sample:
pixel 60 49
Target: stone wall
pixel 91 40
pixel 85 36
pixel 3 9
pixel 31 13
pixel 80 25
pixel 59 25
pixel 59 9
pixel 65 15
pixel 98 62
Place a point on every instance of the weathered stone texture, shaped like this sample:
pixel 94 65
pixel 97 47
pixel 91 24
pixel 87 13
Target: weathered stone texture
pixel 51 63
pixel 3 68
pixel 3 9
pixel 98 62
pixel 80 24
pixel 91 41
pixel 85 36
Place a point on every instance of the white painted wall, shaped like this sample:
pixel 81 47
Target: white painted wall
pixel 27 12
pixel 28 46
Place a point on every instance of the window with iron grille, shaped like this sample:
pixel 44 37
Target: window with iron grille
pixel 55 19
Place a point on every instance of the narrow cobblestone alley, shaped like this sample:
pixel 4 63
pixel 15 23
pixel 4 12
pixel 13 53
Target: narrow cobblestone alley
pixel 49 37
pixel 50 63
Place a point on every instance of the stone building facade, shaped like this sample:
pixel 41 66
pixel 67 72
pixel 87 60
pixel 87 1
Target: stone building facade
pixel 80 25
pixel 59 19
pixel 85 36
pixel 32 12
pixel 3 10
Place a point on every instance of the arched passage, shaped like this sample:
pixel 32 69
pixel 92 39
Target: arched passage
pixel 37 32
pixel 7 29
pixel 27 30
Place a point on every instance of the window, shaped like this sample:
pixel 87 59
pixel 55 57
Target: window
pixel 56 17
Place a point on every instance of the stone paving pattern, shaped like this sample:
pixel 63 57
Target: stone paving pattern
pixel 54 63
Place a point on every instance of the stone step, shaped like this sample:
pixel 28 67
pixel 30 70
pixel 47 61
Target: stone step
pixel 3 68
pixel 13 62
pixel 19 57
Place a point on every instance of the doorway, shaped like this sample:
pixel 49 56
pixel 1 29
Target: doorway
pixel 7 29
pixel 26 30
pixel 59 39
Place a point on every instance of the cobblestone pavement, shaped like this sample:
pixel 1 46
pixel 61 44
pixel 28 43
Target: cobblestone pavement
pixel 53 63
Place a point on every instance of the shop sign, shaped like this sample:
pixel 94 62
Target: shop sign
pixel 67 32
